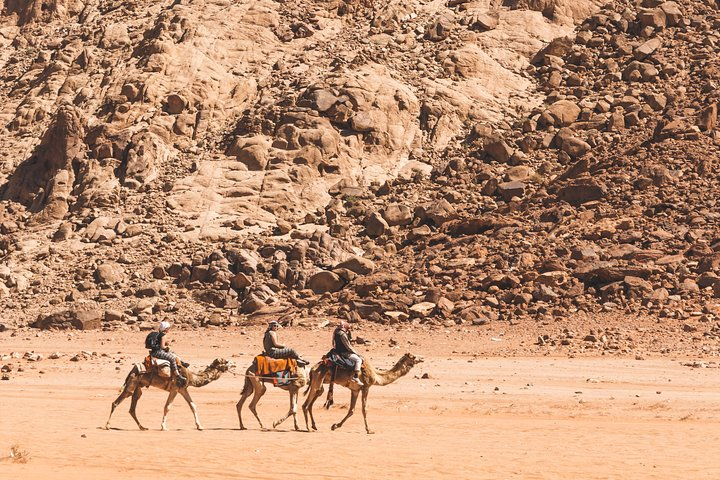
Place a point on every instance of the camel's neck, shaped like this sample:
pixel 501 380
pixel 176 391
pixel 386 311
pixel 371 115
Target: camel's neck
pixel 401 368
pixel 203 378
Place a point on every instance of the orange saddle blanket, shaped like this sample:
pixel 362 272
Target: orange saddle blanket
pixel 159 366
pixel 268 365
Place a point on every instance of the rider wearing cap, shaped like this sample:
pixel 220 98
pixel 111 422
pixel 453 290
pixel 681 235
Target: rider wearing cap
pixel 160 348
pixel 341 344
pixel 273 347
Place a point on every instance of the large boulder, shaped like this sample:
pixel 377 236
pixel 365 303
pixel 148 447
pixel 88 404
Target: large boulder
pixel 70 320
pixel 652 17
pixel 375 225
pixel 437 213
pixel 109 273
pixel 477 225
pixel 673 13
pixel 559 47
pixel 325 281
pixel 397 215
pixel 560 114
pixel 582 190
pixel 498 149
pixel 567 140
pixel 643 51
pixel 510 190
pixel 359 265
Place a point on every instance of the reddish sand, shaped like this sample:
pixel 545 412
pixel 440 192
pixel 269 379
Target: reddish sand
pixel 479 414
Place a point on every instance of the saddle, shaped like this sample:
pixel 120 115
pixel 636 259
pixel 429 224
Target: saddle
pixel 334 359
pixel 279 369
pixel 158 366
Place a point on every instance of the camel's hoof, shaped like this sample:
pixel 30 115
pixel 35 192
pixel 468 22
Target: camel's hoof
pixel 200 428
pixel 370 432
pixel 143 428
pixel 335 426
pixel 242 428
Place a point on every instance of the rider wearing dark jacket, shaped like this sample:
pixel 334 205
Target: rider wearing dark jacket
pixel 341 344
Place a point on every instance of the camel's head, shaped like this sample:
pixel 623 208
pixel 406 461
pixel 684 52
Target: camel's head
pixel 220 364
pixel 412 359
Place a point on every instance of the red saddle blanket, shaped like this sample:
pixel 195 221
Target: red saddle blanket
pixel 268 365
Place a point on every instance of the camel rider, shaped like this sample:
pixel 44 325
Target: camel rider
pixel 159 347
pixel 341 344
pixel 273 347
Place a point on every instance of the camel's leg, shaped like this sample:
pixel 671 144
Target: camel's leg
pixel 247 390
pixel 294 401
pixel 260 389
pixel 307 405
pixel 315 389
pixel 293 408
pixel 318 394
pixel 312 395
pixel 351 409
pixel 365 392
pixel 168 404
pixel 133 405
pixel 186 395
pixel 127 391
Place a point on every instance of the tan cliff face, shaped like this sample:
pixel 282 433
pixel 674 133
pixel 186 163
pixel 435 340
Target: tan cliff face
pixel 438 162
pixel 43 10
pixel 154 85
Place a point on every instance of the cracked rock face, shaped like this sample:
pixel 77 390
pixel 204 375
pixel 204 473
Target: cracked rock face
pixel 157 89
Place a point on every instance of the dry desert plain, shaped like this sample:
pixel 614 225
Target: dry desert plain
pixel 492 405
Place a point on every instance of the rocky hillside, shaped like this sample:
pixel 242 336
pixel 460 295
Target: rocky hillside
pixel 442 162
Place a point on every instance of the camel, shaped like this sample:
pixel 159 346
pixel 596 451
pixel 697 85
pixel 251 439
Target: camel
pixel 135 381
pixel 254 384
pixel 321 373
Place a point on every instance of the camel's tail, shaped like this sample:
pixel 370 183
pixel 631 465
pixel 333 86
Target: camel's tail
pixel 314 369
pixel 127 379
pixel 247 387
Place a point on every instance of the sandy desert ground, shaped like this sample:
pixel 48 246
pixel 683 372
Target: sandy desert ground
pixel 482 413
